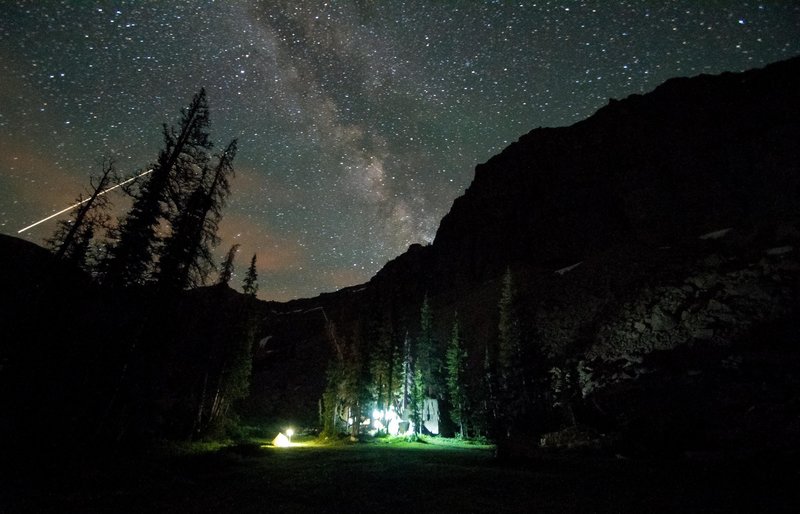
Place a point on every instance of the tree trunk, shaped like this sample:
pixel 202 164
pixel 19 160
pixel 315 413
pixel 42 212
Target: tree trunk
pixel 198 422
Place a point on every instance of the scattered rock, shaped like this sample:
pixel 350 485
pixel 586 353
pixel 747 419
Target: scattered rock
pixel 717 234
pixel 780 250
pixel 573 437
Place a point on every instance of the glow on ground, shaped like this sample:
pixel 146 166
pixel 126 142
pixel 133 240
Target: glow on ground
pixel 284 440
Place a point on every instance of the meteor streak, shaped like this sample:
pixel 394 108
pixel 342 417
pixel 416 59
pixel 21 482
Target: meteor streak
pixel 101 193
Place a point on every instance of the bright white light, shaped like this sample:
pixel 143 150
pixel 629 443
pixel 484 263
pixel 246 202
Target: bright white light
pixel 289 432
pixel 281 441
pixel 377 414
pixel 394 426
pixel 101 193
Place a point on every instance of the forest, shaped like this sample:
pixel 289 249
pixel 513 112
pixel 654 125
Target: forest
pixel 145 355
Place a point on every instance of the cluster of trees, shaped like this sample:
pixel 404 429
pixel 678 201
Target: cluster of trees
pixel 180 357
pixel 482 396
pixel 168 235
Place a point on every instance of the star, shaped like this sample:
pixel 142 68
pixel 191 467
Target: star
pixel 359 123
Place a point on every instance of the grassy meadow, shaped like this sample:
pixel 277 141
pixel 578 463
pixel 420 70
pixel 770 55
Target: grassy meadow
pixel 391 476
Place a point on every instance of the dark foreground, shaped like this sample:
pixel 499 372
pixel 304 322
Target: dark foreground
pixel 400 478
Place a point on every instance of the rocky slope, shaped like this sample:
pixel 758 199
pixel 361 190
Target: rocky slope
pixel 665 224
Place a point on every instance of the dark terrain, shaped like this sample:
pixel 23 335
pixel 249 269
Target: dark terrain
pixel 654 248
pixel 404 478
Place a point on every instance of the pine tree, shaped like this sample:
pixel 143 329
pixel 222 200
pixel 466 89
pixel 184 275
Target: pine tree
pixel 407 376
pixel 226 273
pixel 160 197
pixel 72 238
pixel 417 400
pixel 219 344
pixel 330 411
pixel 347 391
pixel 250 282
pixel 484 396
pixel 354 388
pixel 385 369
pixel 186 255
pixel 510 372
pixel 456 378
pixel 427 358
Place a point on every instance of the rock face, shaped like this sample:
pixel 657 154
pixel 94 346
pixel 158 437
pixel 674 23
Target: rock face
pixel 665 224
pixel 713 304
pixel 694 156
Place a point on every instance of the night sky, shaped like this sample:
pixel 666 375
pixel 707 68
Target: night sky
pixel 358 122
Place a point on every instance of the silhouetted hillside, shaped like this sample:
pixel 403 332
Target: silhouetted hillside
pixel 97 366
pixel 652 244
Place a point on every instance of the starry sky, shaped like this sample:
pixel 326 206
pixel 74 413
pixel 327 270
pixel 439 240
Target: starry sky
pixel 359 122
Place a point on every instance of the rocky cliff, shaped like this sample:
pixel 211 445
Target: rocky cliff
pixel 664 225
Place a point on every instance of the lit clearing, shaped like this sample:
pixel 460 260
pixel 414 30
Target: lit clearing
pixel 284 440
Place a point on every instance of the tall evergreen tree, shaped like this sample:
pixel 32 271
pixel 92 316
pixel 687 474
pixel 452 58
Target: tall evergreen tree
pixel 354 389
pixel 186 258
pixel 330 409
pixel 427 359
pixel 220 341
pixel 456 378
pixel 417 400
pixel 510 371
pixel 72 238
pixel 347 391
pixel 163 194
pixel 226 273
pixel 483 396
pixel 250 282
pixel 385 365
pixel 407 376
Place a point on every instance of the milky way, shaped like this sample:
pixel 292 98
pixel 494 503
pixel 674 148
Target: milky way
pixel 358 122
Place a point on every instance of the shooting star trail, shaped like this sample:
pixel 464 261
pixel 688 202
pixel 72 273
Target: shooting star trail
pixel 101 193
